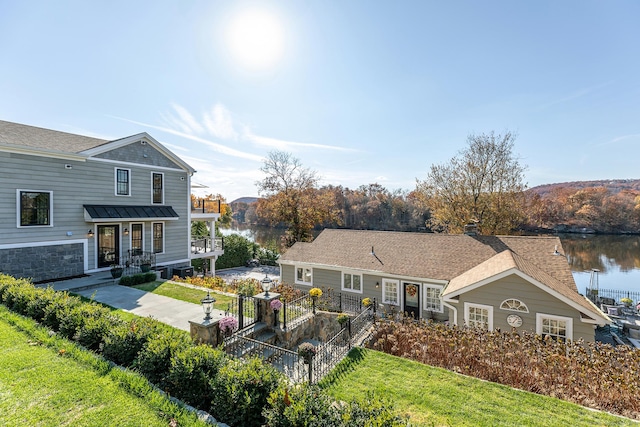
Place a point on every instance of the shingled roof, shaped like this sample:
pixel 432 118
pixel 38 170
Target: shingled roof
pixel 16 134
pixel 426 255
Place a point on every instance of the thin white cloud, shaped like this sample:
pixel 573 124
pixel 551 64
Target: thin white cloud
pixel 219 122
pixel 618 139
pixel 215 146
pixel 575 95
pixel 281 144
pixel 187 118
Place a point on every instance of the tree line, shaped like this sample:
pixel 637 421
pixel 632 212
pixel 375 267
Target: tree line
pixel 483 185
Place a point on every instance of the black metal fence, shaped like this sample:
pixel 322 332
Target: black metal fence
pixel 245 309
pixel 340 302
pixel 137 261
pixel 294 312
pixel 612 296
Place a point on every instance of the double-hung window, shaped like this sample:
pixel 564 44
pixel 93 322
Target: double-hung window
pixel 432 300
pixel 157 182
pixel 136 238
pixel 352 282
pixel 35 208
pixel 390 292
pixel 158 237
pixel 478 316
pixel 303 276
pixel 123 182
pixel 557 327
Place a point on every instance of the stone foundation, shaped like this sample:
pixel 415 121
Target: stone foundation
pixel 41 263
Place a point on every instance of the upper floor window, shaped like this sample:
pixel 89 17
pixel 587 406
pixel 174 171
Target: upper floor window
pixel 352 282
pixel 158 188
pixel 35 208
pixel 432 300
pixel 390 291
pixel 514 305
pixel 303 275
pixel 123 182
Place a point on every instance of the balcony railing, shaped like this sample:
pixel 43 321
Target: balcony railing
pixel 203 245
pixel 204 206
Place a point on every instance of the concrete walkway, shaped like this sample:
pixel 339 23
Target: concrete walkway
pixel 102 288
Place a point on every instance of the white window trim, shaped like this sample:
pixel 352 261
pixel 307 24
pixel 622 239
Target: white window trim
pixel 426 286
pixel 19 208
pixel 302 282
pixel 163 186
pixel 131 234
pixel 164 235
pixel 526 309
pixel 541 316
pixel 489 308
pixel 115 182
pixel 384 293
pixel 352 273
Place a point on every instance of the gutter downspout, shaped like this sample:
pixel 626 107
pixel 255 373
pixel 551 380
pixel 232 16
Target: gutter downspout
pixel 455 312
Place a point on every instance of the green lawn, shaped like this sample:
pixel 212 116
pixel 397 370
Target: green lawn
pixel 434 396
pixel 185 293
pixel 49 381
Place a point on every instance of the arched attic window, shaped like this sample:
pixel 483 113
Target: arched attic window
pixel 513 304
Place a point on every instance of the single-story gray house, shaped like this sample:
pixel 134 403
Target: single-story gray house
pixel 491 282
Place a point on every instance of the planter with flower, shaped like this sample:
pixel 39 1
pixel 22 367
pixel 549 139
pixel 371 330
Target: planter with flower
pixel 342 319
pixel 276 306
pixel 307 351
pixel 228 325
pixel 367 302
pixel 314 293
pixel 626 301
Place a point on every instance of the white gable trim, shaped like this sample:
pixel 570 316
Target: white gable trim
pixel 542 286
pixel 146 138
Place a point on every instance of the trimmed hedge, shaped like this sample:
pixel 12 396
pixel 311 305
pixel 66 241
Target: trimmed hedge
pixel 138 279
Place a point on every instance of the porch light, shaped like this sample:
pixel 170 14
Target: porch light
pixel 90 233
pixel 126 231
pixel 207 305
pixel 266 284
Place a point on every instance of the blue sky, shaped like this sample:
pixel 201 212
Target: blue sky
pixel 360 91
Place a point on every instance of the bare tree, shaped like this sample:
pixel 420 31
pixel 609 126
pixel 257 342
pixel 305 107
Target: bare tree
pixel 484 184
pixel 290 196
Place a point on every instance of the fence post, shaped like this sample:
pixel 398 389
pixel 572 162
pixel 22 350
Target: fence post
pixel 240 312
pixel 349 330
pixel 284 316
pixel 340 300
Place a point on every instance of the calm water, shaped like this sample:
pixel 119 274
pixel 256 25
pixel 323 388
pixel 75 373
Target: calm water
pixel 617 257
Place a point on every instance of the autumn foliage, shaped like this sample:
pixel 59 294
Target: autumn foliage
pixel 595 375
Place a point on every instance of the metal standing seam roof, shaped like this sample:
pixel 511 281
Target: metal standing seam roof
pixel 130 212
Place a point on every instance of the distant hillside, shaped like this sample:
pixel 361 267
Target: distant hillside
pixel 247 200
pixel 613 185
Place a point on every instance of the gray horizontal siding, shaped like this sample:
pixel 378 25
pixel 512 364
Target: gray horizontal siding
pixel 90 182
pixel 536 300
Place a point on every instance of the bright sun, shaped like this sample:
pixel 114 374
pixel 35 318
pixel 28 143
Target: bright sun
pixel 255 38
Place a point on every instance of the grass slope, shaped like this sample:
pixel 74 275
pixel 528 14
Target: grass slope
pixel 49 381
pixel 434 396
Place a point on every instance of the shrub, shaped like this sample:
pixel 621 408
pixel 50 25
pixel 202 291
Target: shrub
pixel 248 287
pixel 241 389
pixel 237 251
pixel 74 319
pixel 123 343
pixel 36 308
pixel 93 332
pixel 154 359
pixel 137 279
pixel 18 295
pixel 56 310
pixel 287 292
pixel 301 405
pixel 190 374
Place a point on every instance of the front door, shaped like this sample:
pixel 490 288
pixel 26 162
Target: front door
pixel 412 300
pixel 108 245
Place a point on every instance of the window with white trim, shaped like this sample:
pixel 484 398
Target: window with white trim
pixel 123 182
pixel 478 316
pixel 158 237
pixel 352 282
pixel 557 327
pixel 432 300
pixel 513 304
pixel 157 187
pixel 34 208
pixel 137 238
pixel 391 292
pixel 303 276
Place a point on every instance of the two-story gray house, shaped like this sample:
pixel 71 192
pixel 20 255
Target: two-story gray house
pixel 72 205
